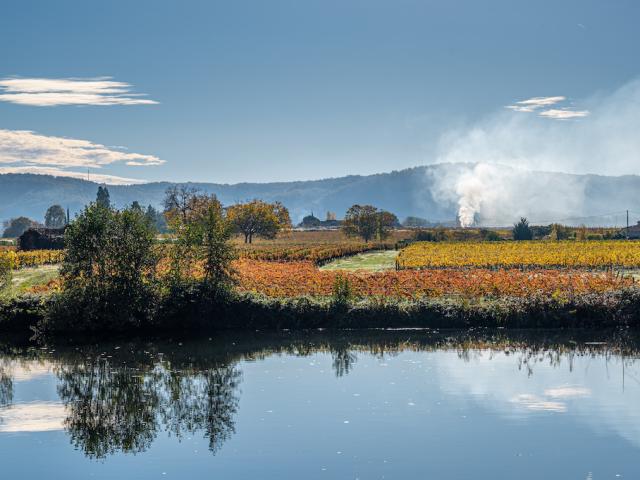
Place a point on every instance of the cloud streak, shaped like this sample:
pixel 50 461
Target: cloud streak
pixel 532 104
pixel 23 151
pixel 536 104
pixel 564 114
pixel 50 92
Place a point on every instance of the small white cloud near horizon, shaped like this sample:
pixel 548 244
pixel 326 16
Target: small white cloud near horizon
pixel 563 114
pixel 24 151
pixel 535 104
pixel 51 92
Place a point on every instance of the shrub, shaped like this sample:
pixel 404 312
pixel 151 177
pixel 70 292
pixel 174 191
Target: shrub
pixel 424 236
pixel 5 274
pixel 342 292
pixel 489 235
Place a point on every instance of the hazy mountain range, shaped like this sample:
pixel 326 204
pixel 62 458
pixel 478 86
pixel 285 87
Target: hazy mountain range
pixel 433 192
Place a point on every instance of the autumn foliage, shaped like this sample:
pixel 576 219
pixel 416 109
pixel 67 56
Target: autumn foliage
pixel 303 278
pixel 530 254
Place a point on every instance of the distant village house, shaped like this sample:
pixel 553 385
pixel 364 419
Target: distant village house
pixel 42 239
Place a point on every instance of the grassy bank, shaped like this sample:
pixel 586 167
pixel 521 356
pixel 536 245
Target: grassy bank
pixel 376 261
pixel 190 309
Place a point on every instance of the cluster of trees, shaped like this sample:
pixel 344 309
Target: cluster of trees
pixel 368 222
pixel 111 266
pixel 416 222
pixel 54 217
pixel 250 219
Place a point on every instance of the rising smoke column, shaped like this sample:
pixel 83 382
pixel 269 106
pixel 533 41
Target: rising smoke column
pixel 491 177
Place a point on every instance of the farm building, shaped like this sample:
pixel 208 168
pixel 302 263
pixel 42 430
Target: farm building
pixel 632 232
pixel 42 239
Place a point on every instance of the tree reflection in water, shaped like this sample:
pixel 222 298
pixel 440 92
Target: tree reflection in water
pixel 118 408
pixel 343 361
pixel 6 387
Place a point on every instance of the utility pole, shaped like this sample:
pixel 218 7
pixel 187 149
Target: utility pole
pixel 627 224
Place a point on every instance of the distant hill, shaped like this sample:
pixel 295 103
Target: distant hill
pixel 406 192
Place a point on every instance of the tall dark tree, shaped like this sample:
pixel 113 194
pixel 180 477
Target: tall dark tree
pixel 55 217
pixel 156 218
pixel 522 231
pixel 102 197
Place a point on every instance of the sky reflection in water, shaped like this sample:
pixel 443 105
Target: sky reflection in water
pixel 352 405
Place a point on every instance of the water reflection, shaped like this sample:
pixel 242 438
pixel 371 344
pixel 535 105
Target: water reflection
pixel 119 397
pixel 114 407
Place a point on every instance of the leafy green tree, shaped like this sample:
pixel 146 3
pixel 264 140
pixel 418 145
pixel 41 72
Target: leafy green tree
pixel 17 226
pixel 367 222
pixel 385 222
pixel 203 235
pixel 259 219
pixel 108 272
pixel 102 197
pixel 360 221
pixel 55 217
pixel 218 252
pixel 522 231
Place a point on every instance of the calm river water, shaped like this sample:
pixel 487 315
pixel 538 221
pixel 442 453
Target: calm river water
pixel 353 405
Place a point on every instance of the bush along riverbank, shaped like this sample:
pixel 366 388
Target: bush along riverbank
pixel 195 308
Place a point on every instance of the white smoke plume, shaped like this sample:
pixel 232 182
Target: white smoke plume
pixel 492 181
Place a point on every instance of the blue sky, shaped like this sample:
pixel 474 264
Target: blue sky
pixel 282 90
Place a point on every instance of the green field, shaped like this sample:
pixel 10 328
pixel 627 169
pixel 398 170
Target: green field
pixel 372 261
pixel 25 278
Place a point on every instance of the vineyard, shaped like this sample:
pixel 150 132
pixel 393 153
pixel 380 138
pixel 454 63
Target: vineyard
pixel 530 254
pixel 316 254
pixel 428 269
pixel 303 278
pixel 32 258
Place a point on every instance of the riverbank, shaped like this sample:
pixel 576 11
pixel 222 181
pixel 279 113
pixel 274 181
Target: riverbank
pixel 191 309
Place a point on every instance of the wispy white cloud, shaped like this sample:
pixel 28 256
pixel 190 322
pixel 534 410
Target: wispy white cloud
pixel 536 104
pixel 564 113
pixel 532 104
pixel 49 92
pixel 57 172
pixel 23 151
pixel 23 147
